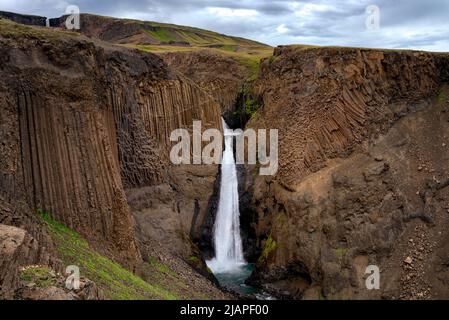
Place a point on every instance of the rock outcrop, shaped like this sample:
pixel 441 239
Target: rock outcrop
pixel 355 130
pixel 222 77
pixel 24 18
pixel 81 121
pixel 39 282
pixel 17 248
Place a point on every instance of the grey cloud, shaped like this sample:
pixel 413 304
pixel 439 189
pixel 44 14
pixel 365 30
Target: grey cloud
pixel 415 24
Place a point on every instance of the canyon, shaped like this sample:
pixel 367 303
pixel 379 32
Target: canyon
pixel 85 172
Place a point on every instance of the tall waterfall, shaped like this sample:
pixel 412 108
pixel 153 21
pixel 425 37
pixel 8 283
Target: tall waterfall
pixel 227 240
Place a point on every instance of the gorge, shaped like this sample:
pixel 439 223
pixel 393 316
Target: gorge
pixel 86 179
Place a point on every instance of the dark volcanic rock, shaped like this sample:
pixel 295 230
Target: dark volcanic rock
pixel 24 18
pixel 354 126
pixel 82 120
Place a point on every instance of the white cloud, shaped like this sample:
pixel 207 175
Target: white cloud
pixel 228 12
pixel 414 24
pixel 282 28
pixel 308 9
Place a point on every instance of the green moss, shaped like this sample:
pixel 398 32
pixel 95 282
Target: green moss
pixel 194 259
pixel 442 96
pixel 40 275
pixel 322 297
pixel 250 108
pixel 271 60
pixel 270 246
pixel 341 252
pixel 116 281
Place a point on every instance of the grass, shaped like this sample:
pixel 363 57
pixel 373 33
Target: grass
pixel 160 267
pixel 116 281
pixel 197 36
pixel 228 47
pixel 40 275
pixel 308 47
pixel 10 29
pixel 194 261
pixel 162 34
pixel 248 56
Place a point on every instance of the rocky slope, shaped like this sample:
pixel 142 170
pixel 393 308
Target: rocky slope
pixel 24 18
pixel 362 163
pixel 221 76
pixel 81 122
pixel 220 65
pixel 127 31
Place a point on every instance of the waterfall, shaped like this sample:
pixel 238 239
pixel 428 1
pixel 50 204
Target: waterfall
pixel 227 240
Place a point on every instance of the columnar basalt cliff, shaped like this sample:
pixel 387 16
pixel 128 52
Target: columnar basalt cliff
pixel 85 173
pixel 362 143
pixel 80 122
pixel 221 76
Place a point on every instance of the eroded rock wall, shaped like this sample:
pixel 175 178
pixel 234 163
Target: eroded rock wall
pixel 357 130
pixel 82 121
pixel 220 76
pixel 326 101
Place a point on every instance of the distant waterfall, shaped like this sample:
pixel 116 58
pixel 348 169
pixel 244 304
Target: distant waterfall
pixel 227 240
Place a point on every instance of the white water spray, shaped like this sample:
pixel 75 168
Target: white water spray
pixel 227 240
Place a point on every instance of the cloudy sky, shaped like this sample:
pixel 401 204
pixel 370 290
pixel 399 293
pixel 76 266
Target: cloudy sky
pixel 417 24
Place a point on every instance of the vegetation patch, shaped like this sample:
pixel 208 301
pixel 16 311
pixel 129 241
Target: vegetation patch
pixel 251 107
pixel 270 246
pixel 229 47
pixel 194 259
pixel 341 252
pixel 162 34
pixel 116 281
pixel 10 29
pixel 42 276
pixel 159 266
pixel 442 97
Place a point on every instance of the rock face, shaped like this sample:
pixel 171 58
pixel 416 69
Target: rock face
pixel 354 126
pixel 24 18
pixel 352 93
pixel 222 77
pixel 17 248
pixel 81 121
